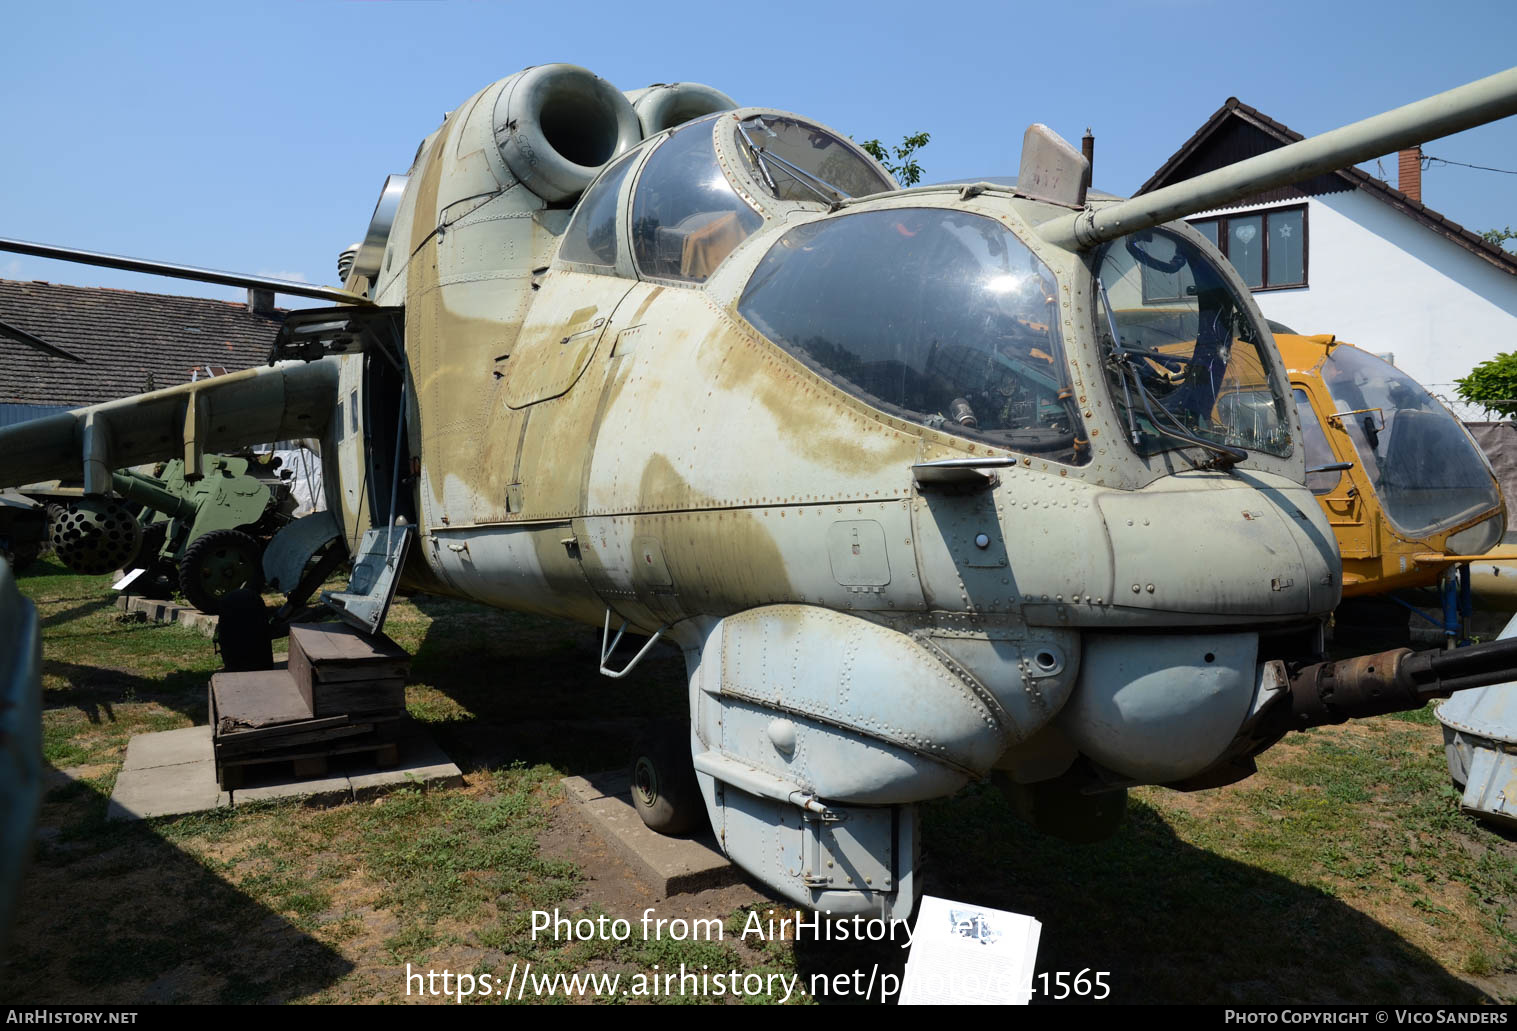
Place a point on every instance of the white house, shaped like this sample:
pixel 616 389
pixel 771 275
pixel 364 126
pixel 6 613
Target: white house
pixel 1348 254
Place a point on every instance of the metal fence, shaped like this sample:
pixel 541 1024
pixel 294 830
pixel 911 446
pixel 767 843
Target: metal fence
pixel 1499 442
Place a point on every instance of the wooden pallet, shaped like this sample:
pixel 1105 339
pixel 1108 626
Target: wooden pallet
pixel 232 771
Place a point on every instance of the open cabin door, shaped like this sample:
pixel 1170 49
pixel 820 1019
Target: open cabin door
pixel 372 443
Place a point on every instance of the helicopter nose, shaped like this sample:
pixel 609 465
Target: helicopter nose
pixel 1221 546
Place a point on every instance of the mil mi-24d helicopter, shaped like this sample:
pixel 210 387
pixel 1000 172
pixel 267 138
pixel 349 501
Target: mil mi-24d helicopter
pixel 894 468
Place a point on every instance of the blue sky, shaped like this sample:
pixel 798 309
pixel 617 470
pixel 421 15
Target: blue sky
pixel 255 136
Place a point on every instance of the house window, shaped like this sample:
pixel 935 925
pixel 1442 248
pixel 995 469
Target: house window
pixel 1268 248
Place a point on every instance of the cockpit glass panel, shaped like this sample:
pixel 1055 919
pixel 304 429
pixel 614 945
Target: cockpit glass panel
pixel 940 317
pixel 686 218
pixel 1426 470
pixel 796 160
pixel 591 236
pixel 1185 362
pixel 1318 452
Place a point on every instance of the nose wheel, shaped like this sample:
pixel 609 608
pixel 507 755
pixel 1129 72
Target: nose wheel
pixel 664 789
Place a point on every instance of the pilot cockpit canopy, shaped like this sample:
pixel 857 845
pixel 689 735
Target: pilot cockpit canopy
pixel 943 318
pixel 686 217
pixel 700 190
pixel 591 237
pixel 795 160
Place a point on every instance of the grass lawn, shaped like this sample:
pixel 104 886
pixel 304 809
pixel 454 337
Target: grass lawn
pixel 1342 872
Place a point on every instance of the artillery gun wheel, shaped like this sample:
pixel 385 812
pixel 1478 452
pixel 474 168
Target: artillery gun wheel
pixel 218 563
pixel 664 789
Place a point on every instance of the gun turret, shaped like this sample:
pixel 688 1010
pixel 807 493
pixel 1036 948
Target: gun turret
pixel 1391 681
pixel 1463 107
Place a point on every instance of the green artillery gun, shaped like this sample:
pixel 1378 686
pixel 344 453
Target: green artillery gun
pixel 205 534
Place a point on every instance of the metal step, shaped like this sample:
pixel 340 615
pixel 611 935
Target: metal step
pixel 376 574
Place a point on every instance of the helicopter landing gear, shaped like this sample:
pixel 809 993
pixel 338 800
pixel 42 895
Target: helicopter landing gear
pixel 664 790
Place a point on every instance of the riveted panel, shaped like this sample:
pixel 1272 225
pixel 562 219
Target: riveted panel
pixel 560 334
pixel 1205 550
pixel 648 561
pixel 856 549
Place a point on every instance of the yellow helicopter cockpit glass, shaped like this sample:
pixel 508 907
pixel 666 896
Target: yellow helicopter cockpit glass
pixel 1185 362
pixel 1318 452
pixel 941 317
pixel 1426 470
pixel 686 217
pixel 794 160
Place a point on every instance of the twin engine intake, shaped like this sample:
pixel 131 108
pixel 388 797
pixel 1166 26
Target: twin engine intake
pixel 558 125
pixel 550 128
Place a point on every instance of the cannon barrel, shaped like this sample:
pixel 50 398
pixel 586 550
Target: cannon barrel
pixel 1391 681
pixel 154 493
pixel 1463 107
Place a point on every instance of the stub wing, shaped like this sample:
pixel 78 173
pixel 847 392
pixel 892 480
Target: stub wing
pixel 257 406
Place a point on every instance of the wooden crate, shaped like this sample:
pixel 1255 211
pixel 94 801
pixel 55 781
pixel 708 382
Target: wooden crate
pixel 254 700
pixel 260 718
pixel 339 670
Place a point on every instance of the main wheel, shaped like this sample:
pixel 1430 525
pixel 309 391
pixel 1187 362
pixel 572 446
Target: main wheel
pixel 218 563
pixel 664 789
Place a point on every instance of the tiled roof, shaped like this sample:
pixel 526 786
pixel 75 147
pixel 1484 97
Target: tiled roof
pixel 1190 160
pixel 77 345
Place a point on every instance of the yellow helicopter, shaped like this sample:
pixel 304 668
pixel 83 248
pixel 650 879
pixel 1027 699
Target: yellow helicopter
pixel 1411 498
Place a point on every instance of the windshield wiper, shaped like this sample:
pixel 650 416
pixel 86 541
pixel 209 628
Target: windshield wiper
pixel 757 153
pixel 762 157
pixel 1226 455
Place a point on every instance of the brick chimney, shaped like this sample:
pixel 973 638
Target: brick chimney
pixel 1409 173
pixel 260 302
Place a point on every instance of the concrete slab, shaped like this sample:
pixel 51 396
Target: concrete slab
pixel 422 763
pixel 158 611
pixel 174 772
pixel 673 866
pixel 165 791
pixel 168 748
pixel 317 791
pixel 205 623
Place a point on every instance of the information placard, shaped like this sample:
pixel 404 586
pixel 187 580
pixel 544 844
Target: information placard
pixel 970 955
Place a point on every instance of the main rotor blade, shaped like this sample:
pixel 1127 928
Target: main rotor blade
pixel 163 268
